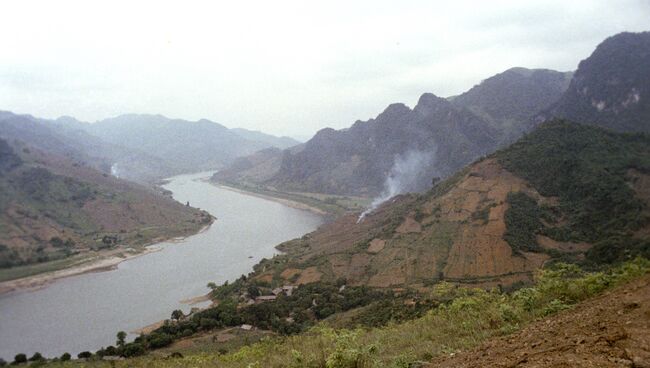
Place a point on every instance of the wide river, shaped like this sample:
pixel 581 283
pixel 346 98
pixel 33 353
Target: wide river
pixel 85 312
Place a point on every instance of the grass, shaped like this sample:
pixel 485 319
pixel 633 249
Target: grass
pixel 468 318
pixel 13 273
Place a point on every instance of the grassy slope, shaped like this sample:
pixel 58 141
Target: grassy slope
pixel 469 318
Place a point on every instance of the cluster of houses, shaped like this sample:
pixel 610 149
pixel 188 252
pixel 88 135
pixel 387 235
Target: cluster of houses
pixel 286 290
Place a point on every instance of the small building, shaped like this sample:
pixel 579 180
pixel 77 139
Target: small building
pixel 246 327
pixel 288 289
pixel 265 298
pixel 277 291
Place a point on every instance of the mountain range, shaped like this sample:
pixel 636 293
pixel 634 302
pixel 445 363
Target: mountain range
pixel 140 148
pixel 608 89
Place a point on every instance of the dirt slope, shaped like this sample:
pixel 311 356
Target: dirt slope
pixel 416 240
pixel 612 330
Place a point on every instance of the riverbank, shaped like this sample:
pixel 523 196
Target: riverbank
pixel 101 261
pixel 321 204
pixel 287 202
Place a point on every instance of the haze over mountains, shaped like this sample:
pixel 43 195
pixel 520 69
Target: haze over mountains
pixel 607 90
pixel 141 148
pixel 61 192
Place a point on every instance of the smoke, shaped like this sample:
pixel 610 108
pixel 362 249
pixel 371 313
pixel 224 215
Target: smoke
pixel 405 176
pixel 114 170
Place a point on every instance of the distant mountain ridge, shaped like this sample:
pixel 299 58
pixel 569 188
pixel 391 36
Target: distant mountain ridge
pixel 66 137
pixel 357 160
pixel 271 140
pixel 514 96
pixel 141 148
pixel 185 145
pixel 450 132
pixel 610 89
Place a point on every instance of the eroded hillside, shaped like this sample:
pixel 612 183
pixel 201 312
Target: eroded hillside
pixel 495 222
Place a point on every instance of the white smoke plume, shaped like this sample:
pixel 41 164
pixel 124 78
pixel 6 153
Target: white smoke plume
pixel 403 177
pixel 114 171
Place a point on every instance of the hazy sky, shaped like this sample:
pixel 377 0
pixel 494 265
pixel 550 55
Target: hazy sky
pixel 284 67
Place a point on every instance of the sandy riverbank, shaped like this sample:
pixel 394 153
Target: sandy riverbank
pixel 284 201
pixel 102 262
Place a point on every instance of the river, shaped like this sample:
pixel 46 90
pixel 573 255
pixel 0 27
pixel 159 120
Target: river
pixel 85 312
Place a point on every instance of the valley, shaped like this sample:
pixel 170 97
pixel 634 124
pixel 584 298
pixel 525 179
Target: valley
pixel 507 224
pixel 152 285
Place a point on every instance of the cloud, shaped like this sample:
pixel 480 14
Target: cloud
pixel 286 67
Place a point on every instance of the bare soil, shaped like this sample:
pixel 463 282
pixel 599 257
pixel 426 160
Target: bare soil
pixel 612 330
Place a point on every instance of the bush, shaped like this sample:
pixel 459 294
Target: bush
pixel 133 349
pixel 159 340
pixel 20 359
pixel 522 222
pixel 65 357
pixel 85 355
pixel 36 357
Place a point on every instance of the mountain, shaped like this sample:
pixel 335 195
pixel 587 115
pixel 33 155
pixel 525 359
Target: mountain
pixel 53 207
pixel 187 146
pixel 270 140
pixel 356 161
pixel 565 191
pixel 611 88
pixel 439 135
pixel 511 98
pixel 182 146
pixel 258 167
pixel 68 137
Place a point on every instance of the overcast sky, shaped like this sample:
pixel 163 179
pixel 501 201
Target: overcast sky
pixel 284 67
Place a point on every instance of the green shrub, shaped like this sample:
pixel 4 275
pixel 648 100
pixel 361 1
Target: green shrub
pixel 522 222
pixel 20 359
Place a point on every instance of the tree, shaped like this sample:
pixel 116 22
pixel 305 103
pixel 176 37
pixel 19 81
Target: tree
pixel 36 357
pixel 177 314
pixel 212 285
pixel 20 358
pixel 2 362
pixel 253 291
pixel 65 357
pixel 133 349
pixel 56 242
pixel 121 339
pixel 84 355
